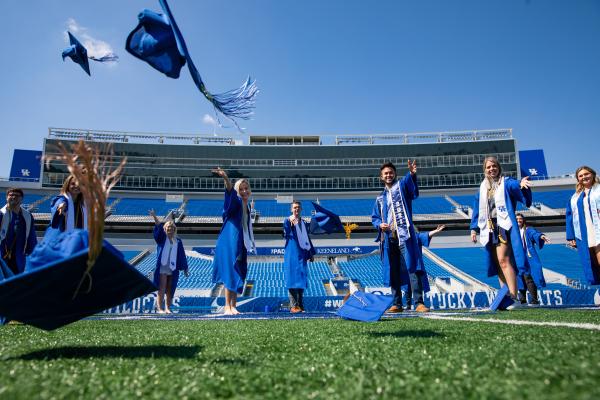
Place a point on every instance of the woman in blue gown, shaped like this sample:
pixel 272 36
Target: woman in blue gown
pixel 583 222
pixel 298 251
pixel 170 259
pixel 494 218
pixel 68 208
pixel 235 241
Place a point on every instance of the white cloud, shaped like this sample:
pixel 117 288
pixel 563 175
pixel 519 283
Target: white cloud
pixel 95 47
pixel 209 120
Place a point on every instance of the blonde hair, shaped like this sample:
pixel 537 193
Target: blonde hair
pixel 239 182
pixel 65 186
pixel 579 187
pixel 495 161
pixel 167 224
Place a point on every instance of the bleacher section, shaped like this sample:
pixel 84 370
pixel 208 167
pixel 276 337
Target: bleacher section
pixel 470 260
pixel 366 270
pixel 555 199
pixel 269 279
pixel 204 208
pixel 131 206
pixel 564 260
pixel 200 272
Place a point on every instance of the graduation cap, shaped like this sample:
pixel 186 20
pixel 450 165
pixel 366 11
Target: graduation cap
pixel 366 307
pixel 49 294
pixel 77 53
pixel 324 221
pixel 158 41
pixel 502 299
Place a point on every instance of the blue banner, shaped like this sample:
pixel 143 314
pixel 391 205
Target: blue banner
pixel 533 164
pixel 321 251
pixel 26 165
pixel 436 301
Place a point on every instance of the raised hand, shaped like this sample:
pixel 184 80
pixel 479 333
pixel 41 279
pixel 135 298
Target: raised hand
pixel 412 166
pixel 61 208
pixel 525 183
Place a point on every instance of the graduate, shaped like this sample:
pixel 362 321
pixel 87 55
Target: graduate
pixel 583 222
pixel 534 274
pixel 298 251
pixel 17 231
pixel 494 219
pixel 170 259
pixel 68 210
pixel 392 216
pixel 235 241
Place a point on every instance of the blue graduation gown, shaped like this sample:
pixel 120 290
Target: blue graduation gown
pixel 410 191
pixel 161 237
pixel 58 221
pixel 592 276
pixel 533 264
pixel 24 245
pixel 230 264
pixel 295 258
pixel 423 239
pixel 513 194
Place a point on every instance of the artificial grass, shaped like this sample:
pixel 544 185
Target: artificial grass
pixel 277 359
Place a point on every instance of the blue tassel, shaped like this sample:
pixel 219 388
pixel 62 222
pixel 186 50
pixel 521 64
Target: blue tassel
pixel 236 103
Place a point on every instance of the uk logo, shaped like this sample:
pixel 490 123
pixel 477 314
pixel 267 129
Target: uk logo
pixel 25 172
pixel 533 171
pixel 502 208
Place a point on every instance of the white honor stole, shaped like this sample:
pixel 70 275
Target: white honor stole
pixel 71 212
pixel 169 257
pixel 593 201
pixel 399 214
pixel 501 212
pixel 247 230
pixel 302 235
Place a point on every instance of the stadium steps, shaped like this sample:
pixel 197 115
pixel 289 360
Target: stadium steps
pixel 111 206
pixel 218 291
pixel 458 208
pixel 33 206
pixel 452 270
pixel 139 257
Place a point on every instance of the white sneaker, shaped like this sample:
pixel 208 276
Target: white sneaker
pixel 516 305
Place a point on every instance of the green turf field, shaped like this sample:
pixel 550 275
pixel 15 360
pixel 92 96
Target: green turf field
pixel 321 359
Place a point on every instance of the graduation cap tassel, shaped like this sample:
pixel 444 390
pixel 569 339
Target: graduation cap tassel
pixel 236 103
pixel 91 169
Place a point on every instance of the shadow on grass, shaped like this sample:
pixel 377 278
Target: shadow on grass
pixel 407 333
pixel 76 352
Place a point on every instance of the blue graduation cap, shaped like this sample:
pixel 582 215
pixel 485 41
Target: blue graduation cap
pixel 366 307
pixel 77 53
pixel 324 221
pixel 158 41
pixel 48 294
pixel 502 299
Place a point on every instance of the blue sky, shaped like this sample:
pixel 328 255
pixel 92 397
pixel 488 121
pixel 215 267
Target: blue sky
pixel 323 67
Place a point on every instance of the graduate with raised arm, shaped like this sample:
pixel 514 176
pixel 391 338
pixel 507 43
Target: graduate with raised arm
pixel 534 275
pixel 392 216
pixel 298 251
pixel 235 241
pixel 583 222
pixel 170 259
pixel 68 208
pixel 494 218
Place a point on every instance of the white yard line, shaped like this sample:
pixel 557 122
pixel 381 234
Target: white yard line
pixel 594 327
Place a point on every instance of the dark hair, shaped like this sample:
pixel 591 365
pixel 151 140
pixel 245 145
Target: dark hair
pixel 297 202
pixel 387 165
pixel 520 215
pixel 15 190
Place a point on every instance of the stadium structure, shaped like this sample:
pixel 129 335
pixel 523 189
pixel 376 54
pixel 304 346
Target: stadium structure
pixel 171 174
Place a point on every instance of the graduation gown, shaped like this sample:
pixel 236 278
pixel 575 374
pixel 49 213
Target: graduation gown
pixel 58 221
pixel 24 245
pixel 295 270
pixel 512 194
pixel 181 264
pixel 410 191
pixel 533 264
pixel 592 276
pixel 423 239
pixel 230 264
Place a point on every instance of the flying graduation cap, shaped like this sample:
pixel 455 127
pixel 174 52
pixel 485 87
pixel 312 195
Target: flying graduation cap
pixel 50 293
pixel 366 307
pixel 158 41
pixel 324 221
pixel 78 53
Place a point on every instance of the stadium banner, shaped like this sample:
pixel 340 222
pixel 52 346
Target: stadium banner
pixel 321 251
pixel 26 165
pixel 436 301
pixel 533 164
